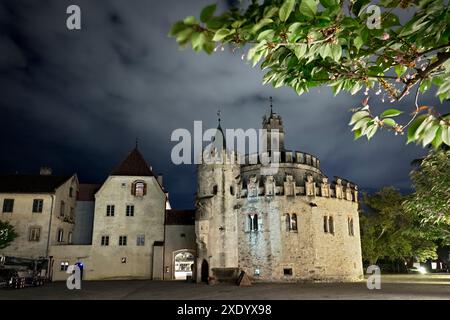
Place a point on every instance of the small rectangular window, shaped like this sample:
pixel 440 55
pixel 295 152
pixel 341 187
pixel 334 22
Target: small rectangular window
pixel 130 211
pixel 325 224
pixel 62 209
pixel 71 192
pixel 122 240
pixel 287 271
pixel 38 204
pixel 331 225
pixel 60 237
pixel 64 265
pixel 69 238
pixel 110 208
pixel 105 241
pixel 8 205
pixel 35 234
pixel 140 240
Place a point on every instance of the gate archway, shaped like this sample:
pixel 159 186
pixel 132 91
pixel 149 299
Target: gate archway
pixel 183 264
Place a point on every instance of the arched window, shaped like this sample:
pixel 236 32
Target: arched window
pixel 288 222
pixel 215 190
pixel 325 224
pixel 253 222
pixel 350 227
pixel 139 189
pixel 331 224
pixel 294 222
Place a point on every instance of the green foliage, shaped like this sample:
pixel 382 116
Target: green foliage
pixel 388 232
pixel 308 43
pixel 431 199
pixel 7 234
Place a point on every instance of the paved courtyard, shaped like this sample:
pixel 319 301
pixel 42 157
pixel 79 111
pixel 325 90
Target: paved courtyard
pixel 392 287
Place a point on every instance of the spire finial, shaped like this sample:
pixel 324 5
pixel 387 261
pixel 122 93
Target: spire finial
pixel 137 141
pixel 271 105
pixel 218 115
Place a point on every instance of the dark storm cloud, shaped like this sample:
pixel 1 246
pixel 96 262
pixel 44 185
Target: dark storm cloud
pixel 76 100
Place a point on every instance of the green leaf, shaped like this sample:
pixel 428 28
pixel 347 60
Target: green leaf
pixel 336 52
pixel 266 34
pixel 371 131
pixel 286 9
pixel 308 8
pixel 328 3
pixel 361 123
pixel 358 116
pixel 389 122
pixel 190 20
pixel 358 134
pixel 429 135
pixel 300 50
pixel 177 28
pixel 207 12
pixel 445 135
pixel 400 70
pixel 414 126
pixel 358 42
pixel 261 23
pixel 198 39
pixel 390 113
pixel 221 34
pixel 437 141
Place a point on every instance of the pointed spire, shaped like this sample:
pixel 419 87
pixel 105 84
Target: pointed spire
pixel 271 105
pixel 218 116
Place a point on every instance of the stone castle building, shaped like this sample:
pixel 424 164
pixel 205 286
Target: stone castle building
pixel 285 222
pixel 280 222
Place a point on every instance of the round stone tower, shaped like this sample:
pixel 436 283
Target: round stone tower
pixel 216 225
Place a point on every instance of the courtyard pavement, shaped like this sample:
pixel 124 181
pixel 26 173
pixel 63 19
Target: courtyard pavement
pixel 403 287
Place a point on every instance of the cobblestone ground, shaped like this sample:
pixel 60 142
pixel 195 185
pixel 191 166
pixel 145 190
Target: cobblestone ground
pixel 392 287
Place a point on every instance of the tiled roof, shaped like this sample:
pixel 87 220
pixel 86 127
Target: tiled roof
pixel 16 183
pixel 133 165
pixel 180 217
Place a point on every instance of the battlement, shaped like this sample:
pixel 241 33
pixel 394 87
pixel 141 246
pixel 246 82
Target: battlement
pixel 266 186
pixel 288 156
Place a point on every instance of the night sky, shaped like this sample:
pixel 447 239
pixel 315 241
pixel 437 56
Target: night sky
pixel 77 100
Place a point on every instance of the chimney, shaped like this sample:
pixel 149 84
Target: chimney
pixel 160 179
pixel 45 171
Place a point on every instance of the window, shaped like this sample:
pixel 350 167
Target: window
pixel 294 222
pixel 215 190
pixel 351 231
pixel 139 189
pixel 8 205
pixel 71 192
pixel 287 271
pixel 123 260
pixel 232 190
pixel 105 241
pixel 64 265
pixel 110 210
pixel 130 211
pixel 183 235
pixel 38 205
pixel 331 225
pixel 325 224
pixel 140 240
pixel 69 238
pixel 122 240
pixel 35 234
pixel 60 237
pixel 253 222
pixel 62 209
pixel 288 222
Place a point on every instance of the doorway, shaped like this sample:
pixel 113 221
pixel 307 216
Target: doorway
pixel 205 271
pixel 183 265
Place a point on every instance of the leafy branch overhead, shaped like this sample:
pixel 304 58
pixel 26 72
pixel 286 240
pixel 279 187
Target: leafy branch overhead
pixel 342 44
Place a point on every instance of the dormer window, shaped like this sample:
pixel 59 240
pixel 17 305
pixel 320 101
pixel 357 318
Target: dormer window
pixel 139 189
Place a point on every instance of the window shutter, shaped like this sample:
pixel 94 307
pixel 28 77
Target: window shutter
pixel 133 189
pixel 145 189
